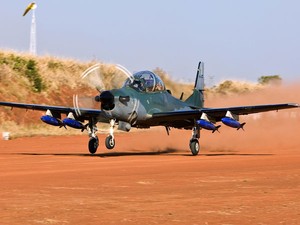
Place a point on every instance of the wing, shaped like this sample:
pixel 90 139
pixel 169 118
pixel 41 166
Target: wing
pixel 185 119
pixel 86 114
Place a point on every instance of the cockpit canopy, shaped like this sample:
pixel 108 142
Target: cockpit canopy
pixel 145 81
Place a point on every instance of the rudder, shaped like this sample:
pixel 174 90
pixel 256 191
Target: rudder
pixel 197 98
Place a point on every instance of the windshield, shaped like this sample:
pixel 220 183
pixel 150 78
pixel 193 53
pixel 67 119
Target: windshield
pixel 145 81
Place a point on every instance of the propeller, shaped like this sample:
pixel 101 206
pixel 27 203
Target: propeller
pixel 102 78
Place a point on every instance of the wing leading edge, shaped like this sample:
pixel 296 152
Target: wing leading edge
pixel 85 113
pixel 216 113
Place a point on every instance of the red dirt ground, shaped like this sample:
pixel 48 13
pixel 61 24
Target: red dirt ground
pixel 151 178
pixel 250 177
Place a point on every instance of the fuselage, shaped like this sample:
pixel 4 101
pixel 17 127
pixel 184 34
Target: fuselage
pixel 139 98
pixel 141 105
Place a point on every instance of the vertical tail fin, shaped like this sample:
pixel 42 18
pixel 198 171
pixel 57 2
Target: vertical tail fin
pixel 199 82
pixel 197 97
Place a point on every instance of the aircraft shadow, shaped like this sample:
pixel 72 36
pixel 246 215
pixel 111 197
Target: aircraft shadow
pixel 237 154
pixel 103 155
pixel 168 151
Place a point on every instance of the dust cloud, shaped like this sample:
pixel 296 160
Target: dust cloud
pixel 263 132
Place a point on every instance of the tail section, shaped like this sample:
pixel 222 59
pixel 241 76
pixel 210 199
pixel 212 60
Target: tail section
pixel 217 129
pixel 197 98
pixel 242 126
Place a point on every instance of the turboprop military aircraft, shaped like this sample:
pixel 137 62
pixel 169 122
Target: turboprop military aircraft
pixel 143 102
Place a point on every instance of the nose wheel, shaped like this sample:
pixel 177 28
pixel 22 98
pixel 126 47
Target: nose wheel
pixel 110 139
pixel 110 142
pixel 94 142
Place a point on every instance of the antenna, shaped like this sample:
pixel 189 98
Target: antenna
pixel 32 47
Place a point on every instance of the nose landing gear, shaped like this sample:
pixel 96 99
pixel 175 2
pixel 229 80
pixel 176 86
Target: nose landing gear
pixel 110 139
pixel 110 142
pixel 94 141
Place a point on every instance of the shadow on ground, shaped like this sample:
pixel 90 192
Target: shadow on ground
pixel 168 151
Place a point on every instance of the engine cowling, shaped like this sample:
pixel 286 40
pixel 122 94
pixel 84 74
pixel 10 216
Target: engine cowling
pixel 107 100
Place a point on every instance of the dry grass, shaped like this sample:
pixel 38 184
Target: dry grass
pixel 61 79
pixel 230 88
pixel 41 129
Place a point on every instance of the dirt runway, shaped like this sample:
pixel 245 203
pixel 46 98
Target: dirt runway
pixel 151 178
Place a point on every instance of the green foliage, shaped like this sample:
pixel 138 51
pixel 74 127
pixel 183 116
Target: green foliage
pixel 24 66
pixel 3 59
pixel 265 80
pixel 225 87
pixel 34 77
pixel 233 87
pixel 227 84
pixel 53 65
pixel 18 63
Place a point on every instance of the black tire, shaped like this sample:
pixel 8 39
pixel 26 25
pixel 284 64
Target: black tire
pixel 194 146
pixel 110 142
pixel 93 144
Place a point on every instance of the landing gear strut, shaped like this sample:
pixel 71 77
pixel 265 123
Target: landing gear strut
pixel 110 139
pixel 194 143
pixel 93 142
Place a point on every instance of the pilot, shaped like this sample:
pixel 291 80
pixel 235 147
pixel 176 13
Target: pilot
pixel 139 84
pixel 150 85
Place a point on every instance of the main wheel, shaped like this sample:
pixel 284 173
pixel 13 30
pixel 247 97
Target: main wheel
pixel 194 146
pixel 110 142
pixel 93 144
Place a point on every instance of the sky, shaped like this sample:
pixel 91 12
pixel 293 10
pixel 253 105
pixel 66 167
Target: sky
pixel 236 39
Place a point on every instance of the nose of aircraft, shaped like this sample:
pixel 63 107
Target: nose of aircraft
pixel 107 100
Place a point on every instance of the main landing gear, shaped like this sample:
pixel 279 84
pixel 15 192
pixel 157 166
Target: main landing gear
pixel 94 141
pixel 194 142
pixel 93 144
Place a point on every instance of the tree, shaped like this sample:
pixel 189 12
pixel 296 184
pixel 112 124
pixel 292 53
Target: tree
pixel 272 80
